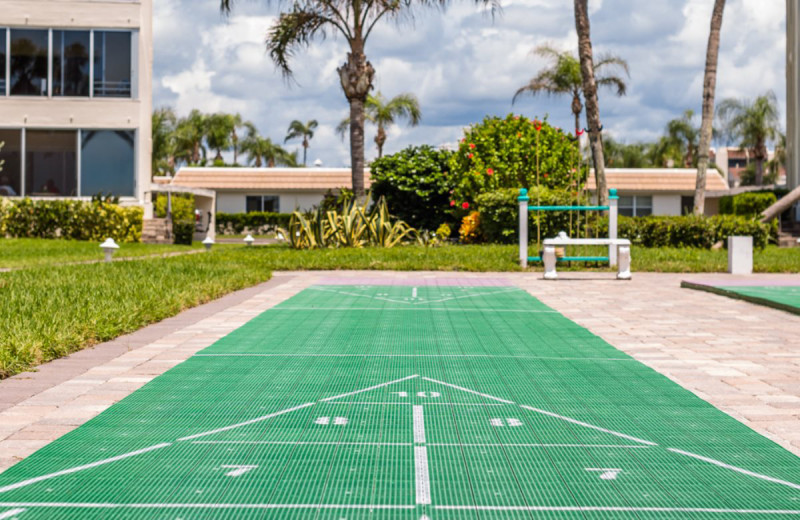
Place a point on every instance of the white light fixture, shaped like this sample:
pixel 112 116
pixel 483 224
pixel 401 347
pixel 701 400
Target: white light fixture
pixel 248 240
pixel 109 247
pixel 207 243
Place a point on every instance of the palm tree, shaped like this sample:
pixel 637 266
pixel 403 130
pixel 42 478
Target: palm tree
pixel 709 92
pixel 354 20
pixel 682 135
pixel 306 131
pixel 189 134
pixel 752 124
pixel 261 150
pixel 590 96
pixel 238 123
pixel 164 142
pixel 563 76
pixel 218 131
pixel 382 113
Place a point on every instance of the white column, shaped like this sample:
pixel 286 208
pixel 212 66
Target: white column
pixel 613 204
pixel 624 270
pixel 549 260
pixel 740 255
pixel 523 227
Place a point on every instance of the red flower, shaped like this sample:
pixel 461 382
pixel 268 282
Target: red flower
pixel 519 134
pixel 452 203
pixel 490 172
pixel 463 140
pixel 472 146
pixel 546 175
pixel 469 156
pixel 465 205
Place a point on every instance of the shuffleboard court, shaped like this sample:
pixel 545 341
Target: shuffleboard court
pixel 779 293
pixel 408 402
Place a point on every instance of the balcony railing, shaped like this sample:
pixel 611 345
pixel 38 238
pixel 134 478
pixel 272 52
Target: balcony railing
pixel 112 88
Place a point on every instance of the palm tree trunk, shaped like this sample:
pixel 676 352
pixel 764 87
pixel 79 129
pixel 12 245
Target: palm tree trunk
pixel 759 171
pixel 380 140
pixel 577 108
pixel 709 91
pixel 356 78
pixel 305 149
pixel 590 97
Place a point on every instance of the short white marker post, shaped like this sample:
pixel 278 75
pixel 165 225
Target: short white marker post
pixel 207 243
pixel 248 240
pixel 740 255
pixel 613 211
pixel 109 247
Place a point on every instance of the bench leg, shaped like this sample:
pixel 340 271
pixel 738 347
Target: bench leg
pixel 624 259
pixel 549 260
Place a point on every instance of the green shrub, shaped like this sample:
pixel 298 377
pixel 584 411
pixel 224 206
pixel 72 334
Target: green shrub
pixel 688 230
pixel 183 232
pixel 71 219
pixel 503 153
pixel 500 214
pixel 747 204
pixel 182 206
pixel 416 184
pixel 258 223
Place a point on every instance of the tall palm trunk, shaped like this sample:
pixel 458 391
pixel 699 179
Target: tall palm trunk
pixel 590 97
pixel 380 140
pixel 356 78
pixel 577 108
pixel 761 155
pixel 305 149
pixel 709 91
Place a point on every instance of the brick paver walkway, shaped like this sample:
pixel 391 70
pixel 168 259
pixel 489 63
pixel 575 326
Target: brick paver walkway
pixel 742 358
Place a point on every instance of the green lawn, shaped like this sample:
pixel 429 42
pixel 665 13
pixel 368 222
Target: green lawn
pixel 27 252
pixel 48 312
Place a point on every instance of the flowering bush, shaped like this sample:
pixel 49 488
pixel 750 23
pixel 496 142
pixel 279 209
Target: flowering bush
pixel 502 153
pixel 470 230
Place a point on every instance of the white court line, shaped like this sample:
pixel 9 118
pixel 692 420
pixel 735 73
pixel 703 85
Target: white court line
pixel 81 468
pixel 419 424
pixel 368 389
pixel 427 302
pixel 468 390
pixel 421 477
pixel 103 505
pixel 13 512
pixel 426 404
pixel 587 425
pixel 552 358
pixel 624 509
pixel 378 309
pixel 414 292
pixel 251 421
pixel 309 443
pixel 734 468
pixel 506 445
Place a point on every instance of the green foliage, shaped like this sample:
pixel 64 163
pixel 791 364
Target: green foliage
pixel 746 204
pixel 182 206
pixel 354 226
pixel 688 231
pixel 500 215
pixel 72 219
pixel 444 231
pixel 183 232
pixel 507 153
pixel 257 222
pixel 416 184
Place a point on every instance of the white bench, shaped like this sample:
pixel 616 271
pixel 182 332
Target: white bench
pixel 622 245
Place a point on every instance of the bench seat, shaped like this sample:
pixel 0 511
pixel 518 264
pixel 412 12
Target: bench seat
pixel 622 245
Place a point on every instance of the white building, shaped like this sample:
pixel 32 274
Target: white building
pixel 75 98
pixel 661 191
pixel 279 190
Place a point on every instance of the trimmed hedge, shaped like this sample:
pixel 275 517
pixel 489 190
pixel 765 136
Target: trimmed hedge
pixel 749 204
pixel 71 219
pixel 257 223
pixel 499 222
pixel 688 230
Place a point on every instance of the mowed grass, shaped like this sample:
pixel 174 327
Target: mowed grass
pixel 49 312
pixel 29 252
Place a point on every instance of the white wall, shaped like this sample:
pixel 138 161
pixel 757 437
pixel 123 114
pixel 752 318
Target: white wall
pixel 235 201
pixel 667 204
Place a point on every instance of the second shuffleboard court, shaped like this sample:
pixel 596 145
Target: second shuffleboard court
pixel 404 402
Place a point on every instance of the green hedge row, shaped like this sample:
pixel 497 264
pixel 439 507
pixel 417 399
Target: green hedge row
pixel 688 230
pixel 72 219
pixel 746 204
pixel 257 223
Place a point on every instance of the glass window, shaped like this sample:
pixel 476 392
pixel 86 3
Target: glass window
pixel 107 162
pixel 2 62
pixel 625 206
pixel 112 64
pixel 29 62
pixel 11 172
pixel 71 63
pixel 687 205
pixel 51 163
pixel 262 203
pixel 635 206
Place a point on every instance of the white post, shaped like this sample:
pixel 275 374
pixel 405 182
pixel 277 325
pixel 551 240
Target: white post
pixel 613 208
pixel 624 272
pixel 740 255
pixel 523 227
pixel 549 260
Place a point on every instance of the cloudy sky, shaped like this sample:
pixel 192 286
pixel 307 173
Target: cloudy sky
pixel 463 64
